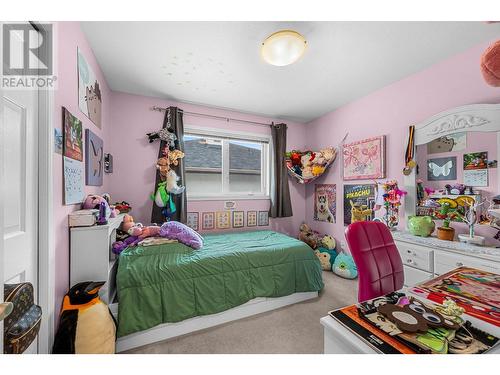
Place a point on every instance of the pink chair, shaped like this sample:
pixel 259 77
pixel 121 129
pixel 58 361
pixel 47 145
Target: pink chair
pixel 377 259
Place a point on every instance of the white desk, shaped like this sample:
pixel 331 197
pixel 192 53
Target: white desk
pixel 339 340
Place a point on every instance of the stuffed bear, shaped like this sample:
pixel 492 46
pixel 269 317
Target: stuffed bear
pixel 128 222
pixel 142 232
pixel 307 171
pixel 163 166
pixel 329 154
pixel 174 156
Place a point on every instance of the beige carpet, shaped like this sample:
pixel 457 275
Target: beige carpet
pixel 292 329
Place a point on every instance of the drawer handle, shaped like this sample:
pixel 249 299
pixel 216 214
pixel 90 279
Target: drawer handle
pixel 459 264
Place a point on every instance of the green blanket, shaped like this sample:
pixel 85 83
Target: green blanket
pixel 172 282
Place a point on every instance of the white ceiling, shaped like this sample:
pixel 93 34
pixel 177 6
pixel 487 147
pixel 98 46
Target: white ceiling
pixel 218 63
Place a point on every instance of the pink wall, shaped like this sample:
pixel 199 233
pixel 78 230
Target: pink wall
pixel 450 83
pixel 69 37
pixel 135 159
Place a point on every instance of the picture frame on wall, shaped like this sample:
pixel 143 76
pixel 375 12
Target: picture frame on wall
pixel 251 218
pixel 192 220
pixel 89 91
pixel 325 205
pixel 207 221
pixel 364 160
pixel 73 136
pixel 94 159
pixel 223 219
pixel 442 169
pixel 238 219
pixel 263 219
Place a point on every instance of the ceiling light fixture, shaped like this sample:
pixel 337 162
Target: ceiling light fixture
pixel 283 47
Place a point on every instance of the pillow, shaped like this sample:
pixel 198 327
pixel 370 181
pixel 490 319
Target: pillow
pixel 182 233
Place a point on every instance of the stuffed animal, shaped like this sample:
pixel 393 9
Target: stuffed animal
pixel 174 156
pixel 329 242
pixel 306 166
pixel 307 235
pixel 128 222
pixel 326 257
pixel 119 246
pixel 172 186
pixel 144 232
pixel 93 201
pixel 86 325
pixel 317 170
pixel 163 166
pixel 163 135
pixel 295 157
pixel 345 267
pixel 123 207
pixel 329 154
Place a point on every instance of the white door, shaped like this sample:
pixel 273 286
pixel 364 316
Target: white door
pixel 19 147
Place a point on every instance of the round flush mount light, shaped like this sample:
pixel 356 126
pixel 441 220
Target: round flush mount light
pixel 283 47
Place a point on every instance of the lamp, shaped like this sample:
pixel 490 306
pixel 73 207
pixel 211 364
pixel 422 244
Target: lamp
pixel 283 47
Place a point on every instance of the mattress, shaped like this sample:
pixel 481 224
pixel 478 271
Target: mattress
pixel 172 282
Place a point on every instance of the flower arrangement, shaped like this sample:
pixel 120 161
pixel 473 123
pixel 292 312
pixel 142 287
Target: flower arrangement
pixel 392 201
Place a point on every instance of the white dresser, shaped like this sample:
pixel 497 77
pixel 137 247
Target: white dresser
pixel 91 258
pixel 428 257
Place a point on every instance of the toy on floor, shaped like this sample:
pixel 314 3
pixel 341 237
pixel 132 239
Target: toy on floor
pixel 307 235
pixel 345 267
pixel 86 325
pixel 326 252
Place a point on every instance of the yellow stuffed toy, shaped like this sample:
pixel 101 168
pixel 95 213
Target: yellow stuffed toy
pixel 359 212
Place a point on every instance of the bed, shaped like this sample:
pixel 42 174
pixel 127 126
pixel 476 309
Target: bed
pixel 232 276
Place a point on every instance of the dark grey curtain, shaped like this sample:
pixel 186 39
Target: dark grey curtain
pixel 177 126
pixel 281 204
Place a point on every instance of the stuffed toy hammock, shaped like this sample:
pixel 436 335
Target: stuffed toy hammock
pixel 306 166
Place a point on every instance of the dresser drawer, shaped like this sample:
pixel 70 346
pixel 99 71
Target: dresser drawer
pixel 445 262
pixel 415 256
pixel 414 276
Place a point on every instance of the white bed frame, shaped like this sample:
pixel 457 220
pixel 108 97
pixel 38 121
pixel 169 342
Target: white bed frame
pixel 98 265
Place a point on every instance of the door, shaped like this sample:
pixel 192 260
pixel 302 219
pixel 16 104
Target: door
pixel 19 180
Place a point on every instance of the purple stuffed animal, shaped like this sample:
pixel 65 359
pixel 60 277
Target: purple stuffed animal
pixel 119 246
pixel 174 230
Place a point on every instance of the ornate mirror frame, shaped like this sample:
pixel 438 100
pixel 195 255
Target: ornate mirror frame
pixel 469 118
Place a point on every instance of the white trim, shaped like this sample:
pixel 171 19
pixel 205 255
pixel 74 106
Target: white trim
pixel 2 197
pixel 171 330
pixel 225 133
pixel 46 245
pixel 202 198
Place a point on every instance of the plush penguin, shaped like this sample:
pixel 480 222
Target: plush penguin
pixel 86 325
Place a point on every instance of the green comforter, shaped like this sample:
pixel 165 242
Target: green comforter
pixel 172 282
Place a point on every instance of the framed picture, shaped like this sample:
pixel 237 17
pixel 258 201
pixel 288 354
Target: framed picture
pixel 223 219
pixel 359 201
pixel 364 160
pixel 325 205
pixel 263 218
pixel 94 159
pixel 476 160
pixel 192 220
pixel 73 181
pixel 238 219
pixel 251 218
pixel 448 143
pixel 73 143
pixel 207 221
pixel 442 169
pixel 89 91
pixel 58 141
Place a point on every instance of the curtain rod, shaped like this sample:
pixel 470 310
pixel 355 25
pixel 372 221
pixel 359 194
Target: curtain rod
pixel 227 119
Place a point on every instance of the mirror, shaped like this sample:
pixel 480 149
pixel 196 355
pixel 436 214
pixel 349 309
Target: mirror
pixel 456 153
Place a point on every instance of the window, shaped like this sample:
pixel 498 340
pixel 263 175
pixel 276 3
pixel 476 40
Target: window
pixel 222 165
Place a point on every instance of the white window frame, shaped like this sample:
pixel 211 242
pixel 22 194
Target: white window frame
pixel 242 136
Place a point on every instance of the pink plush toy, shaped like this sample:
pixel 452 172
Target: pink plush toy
pixel 490 64
pixel 144 232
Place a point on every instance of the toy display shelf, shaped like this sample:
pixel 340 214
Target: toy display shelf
pixel 301 180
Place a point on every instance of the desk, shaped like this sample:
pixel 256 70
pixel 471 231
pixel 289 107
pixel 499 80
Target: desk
pixel 340 340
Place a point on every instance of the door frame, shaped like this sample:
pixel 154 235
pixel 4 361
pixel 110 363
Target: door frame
pixel 46 244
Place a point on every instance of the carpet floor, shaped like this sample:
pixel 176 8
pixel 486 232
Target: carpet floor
pixel 293 329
